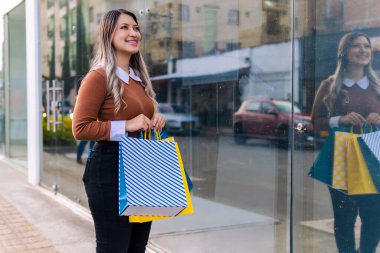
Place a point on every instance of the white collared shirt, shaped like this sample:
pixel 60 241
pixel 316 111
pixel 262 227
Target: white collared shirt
pixel 362 83
pixel 118 126
pixel 124 76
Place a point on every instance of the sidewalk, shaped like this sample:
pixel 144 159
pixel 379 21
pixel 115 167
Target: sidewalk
pixel 19 235
pixel 33 220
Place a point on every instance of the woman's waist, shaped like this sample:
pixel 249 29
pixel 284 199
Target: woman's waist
pixel 111 147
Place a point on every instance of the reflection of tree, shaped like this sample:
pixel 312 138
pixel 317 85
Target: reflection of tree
pixel 52 62
pixel 82 56
pixel 66 54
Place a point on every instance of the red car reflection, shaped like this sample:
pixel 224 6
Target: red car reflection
pixel 267 118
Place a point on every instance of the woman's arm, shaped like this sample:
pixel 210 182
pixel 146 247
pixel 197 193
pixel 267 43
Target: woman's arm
pixel 319 113
pixel 91 96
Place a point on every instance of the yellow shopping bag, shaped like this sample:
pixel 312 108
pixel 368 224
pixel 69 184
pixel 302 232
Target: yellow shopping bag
pixel 339 175
pixel 188 210
pixel 359 180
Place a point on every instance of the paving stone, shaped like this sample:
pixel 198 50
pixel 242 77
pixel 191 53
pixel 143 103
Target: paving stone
pixel 17 235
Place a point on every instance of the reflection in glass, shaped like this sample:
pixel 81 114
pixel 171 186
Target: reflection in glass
pixel 351 99
pixel 15 68
pixel 206 59
pixel 316 207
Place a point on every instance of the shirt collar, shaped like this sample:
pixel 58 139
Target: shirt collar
pixel 124 76
pixel 362 83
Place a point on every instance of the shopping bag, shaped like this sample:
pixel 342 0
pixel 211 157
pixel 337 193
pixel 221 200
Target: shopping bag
pixel 150 178
pixel 359 180
pixel 163 136
pixel 188 210
pixel 370 146
pixel 188 187
pixel 339 174
pixel 321 169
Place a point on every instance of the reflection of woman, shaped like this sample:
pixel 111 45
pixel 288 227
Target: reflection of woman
pixel 115 98
pixel 351 97
pixel 81 147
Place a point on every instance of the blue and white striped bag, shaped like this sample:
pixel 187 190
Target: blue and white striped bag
pixel 150 179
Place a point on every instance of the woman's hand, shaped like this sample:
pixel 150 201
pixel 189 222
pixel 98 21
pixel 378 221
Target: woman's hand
pixel 158 121
pixel 373 119
pixel 352 118
pixel 140 122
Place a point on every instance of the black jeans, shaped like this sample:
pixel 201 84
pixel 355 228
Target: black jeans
pixel 346 209
pixel 114 233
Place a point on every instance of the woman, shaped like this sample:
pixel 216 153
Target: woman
pixel 351 97
pixel 115 98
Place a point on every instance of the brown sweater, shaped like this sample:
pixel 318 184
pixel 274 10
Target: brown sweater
pixel 351 99
pixel 94 109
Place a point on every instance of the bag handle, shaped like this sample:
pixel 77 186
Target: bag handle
pixel 153 134
pixel 142 134
pixel 157 134
pixel 365 128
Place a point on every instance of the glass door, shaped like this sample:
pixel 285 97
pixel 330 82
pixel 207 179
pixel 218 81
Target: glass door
pixel 15 128
pixel 64 33
pixel 236 81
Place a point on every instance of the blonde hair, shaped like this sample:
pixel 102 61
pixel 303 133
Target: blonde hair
pixel 104 57
pixel 337 78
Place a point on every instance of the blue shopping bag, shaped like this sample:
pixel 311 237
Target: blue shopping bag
pixel 321 169
pixel 150 179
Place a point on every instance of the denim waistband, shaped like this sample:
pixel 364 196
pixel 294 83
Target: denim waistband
pixel 106 147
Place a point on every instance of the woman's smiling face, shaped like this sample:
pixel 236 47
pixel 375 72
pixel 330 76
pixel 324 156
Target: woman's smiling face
pixel 360 52
pixel 127 36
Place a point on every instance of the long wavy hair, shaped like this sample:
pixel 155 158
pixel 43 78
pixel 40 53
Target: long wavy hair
pixel 337 78
pixel 105 57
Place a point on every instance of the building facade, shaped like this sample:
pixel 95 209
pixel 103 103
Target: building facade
pixel 206 59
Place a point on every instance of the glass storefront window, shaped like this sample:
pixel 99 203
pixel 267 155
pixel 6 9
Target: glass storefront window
pixel 207 61
pixel 236 81
pixel 345 220
pixel 13 114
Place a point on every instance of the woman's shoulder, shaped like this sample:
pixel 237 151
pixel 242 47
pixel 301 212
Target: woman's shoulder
pixel 328 81
pixel 326 84
pixel 95 80
pixel 95 76
pixel 97 73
